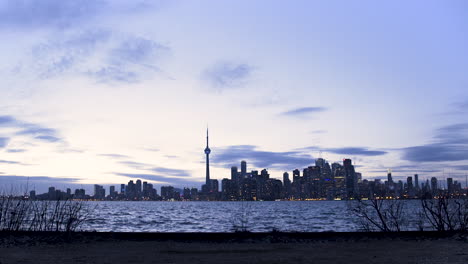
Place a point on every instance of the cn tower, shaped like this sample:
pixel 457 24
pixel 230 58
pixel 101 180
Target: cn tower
pixel 207 152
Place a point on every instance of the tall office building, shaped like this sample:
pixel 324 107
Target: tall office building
pixel 389 176
pixel 138 188
pixel 409 184
pixel 350 177
pixel 416 182
pixel 234 174
pixel 434 185
pixel 243 169
pixel 450 185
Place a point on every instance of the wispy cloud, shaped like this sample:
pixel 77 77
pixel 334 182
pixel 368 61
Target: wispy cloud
pixel 171 172
pixel 102 55
pixel 9 162
pixel 114 156
pixel 48 138
pixel 16 150
pixel 227 75
pixel 33 130
pixel 232 155
pixel 7 120
pixel 450 143
pixel 48 13
pixel 134 164
pixel 358 151
pixel 12 162
pixel 348 151
pixel 318 132
pixel 62 15
pixel 152 149
pixel 303 111
pixel 460 167
pixel 160 170
pixel 4 142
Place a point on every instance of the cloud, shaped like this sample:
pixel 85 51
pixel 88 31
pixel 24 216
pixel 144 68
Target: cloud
pixel 460 167
pixel 113 74
pixel 99 54
pixel 358 151
pixel 450 143
pixel 51 139
pixel 152 149
pixel 227 75
pixel 232 155
pixel 48 13
pixel 303 111
pixel 159 170
pixel 66 14
pixel 7 120
pixel 33 130
pixel 67 52
pixel 134 164
pixel 139 51
pixel 16 150
pixel 318 132
pixel 351 151
pixel 114 156
pixel 9 162
pixel 4 142
pixel 171 172
pixel 36 130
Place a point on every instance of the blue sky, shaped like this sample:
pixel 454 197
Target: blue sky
pixel 107 91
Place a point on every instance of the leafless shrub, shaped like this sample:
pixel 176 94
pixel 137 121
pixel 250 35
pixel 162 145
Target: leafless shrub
pixel 445 214
pixel 240 218
pixel 62 215
pixel 379 215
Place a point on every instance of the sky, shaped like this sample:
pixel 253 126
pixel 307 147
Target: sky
pixel 103 92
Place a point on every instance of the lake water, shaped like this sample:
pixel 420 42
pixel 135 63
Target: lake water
pixel 312 216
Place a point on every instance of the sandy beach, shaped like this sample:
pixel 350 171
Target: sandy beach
pixel 227 248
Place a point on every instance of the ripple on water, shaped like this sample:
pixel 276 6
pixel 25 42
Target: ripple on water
pixel 316 216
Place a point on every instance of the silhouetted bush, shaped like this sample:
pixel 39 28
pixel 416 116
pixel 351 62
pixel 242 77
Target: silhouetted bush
pixel 240 218
pixel 28 215
pixel 440 214
pixel 446 214
pixel 379 215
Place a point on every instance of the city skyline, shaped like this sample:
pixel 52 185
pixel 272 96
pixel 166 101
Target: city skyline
pixel 98 92
pixel 322 181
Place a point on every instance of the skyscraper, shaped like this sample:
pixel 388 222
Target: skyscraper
pixel 389 176
pixel 350 177
pixel 434 185
pixel 207 152
pixel 243 169
pixel 450 185
pixel 234 174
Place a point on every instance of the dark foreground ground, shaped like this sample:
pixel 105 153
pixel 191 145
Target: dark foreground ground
pixel 405 247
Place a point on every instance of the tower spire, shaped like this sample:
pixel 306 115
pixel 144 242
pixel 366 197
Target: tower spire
pixel 207 153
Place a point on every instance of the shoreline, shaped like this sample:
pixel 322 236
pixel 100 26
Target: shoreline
pixel 273 236
pixel 271 247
